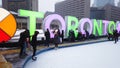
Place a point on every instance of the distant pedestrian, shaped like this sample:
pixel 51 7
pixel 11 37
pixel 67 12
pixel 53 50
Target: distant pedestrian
pixel 58 31
pixel 21 44
pixel 56 38
pixel 72 36
pixel 79 36
pixel 87 34
pixel 59 34
pixel 62 36
pixel 28 37
pixel 27 40
pixel 47 35
pixel 115 33
pixel 34 44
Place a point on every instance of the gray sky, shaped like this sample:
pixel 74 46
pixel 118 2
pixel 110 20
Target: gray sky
pixel 47 5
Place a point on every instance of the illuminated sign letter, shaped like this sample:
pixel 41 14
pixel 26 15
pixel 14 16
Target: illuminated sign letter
pixel 72 23
pixel 118 26
pixel 48 20
pixel 32 18
pixel 111 26
pixel 105 22
pixel 97 28
pixel 82 23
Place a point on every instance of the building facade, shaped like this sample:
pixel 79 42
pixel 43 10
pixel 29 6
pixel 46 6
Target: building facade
pixel 101 3
pixel 118 4
pixel 108 12
pixel 77 8
pixel 112 12
pixel 15 5
pixel 97 13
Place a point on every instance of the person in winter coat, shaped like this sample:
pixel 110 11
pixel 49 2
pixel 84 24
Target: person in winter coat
pixel 62 35
pixel 47 35
pixel 56 38
pixel 115 33
pixel 26 40
pixel 21 44
pixel 34 44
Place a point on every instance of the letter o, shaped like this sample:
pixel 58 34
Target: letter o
pixel 82 23
pixel 48 20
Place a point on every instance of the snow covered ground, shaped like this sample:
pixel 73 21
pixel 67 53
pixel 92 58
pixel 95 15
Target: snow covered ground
pixel 96 55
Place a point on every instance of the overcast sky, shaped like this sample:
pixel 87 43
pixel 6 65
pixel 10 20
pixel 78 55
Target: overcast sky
pixel 45 5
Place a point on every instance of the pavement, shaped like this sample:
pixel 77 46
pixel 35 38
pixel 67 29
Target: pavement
pixel 12 54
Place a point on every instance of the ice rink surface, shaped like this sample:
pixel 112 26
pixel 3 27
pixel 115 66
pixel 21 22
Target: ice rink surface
pixel 96 55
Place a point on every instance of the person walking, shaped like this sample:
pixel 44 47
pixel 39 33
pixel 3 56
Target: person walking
pixel 47 35
pixel 115 33
pixel 21 44
pixel 34 44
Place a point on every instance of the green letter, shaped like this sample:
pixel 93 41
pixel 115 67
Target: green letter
pixel 72 24
pixel 32 18
pixel 97 28
pixel 111 26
